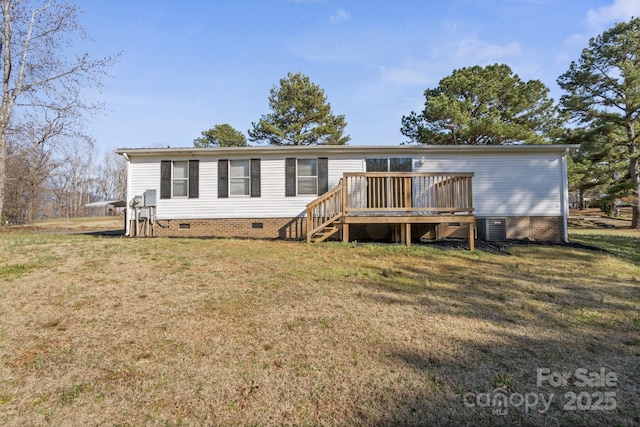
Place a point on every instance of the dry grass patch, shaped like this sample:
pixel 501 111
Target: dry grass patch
pixel 187 331
pixel 84 223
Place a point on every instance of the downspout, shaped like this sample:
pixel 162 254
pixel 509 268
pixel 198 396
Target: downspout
pixel 127 229
pixel 565 195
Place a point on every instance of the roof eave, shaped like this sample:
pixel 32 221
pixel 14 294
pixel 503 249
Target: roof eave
pixel 347 149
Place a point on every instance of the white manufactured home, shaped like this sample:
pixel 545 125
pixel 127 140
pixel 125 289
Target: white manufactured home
pixel 403 193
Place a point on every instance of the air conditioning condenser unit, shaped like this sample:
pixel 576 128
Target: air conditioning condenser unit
pixel 492 229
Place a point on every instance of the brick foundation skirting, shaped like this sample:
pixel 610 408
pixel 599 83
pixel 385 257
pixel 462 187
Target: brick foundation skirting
pixel 541 228
pixel 256 228
pixel 548 229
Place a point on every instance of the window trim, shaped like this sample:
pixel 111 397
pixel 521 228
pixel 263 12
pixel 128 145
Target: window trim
pixel 224 178
pixel 185 180
pixel 291 176
pixel 298 176
pixel 167 179
pixel 246 178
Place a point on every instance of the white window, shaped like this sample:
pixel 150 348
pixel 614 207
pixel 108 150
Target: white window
pixel 307 176
pixel 239 177
pixel 180 179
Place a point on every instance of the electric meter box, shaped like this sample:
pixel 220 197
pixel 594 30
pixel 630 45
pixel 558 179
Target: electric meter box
pixel 150 198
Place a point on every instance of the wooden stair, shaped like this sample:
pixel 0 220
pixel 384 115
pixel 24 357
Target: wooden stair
pixel 324 215
pixel 443 200
pixel 325 232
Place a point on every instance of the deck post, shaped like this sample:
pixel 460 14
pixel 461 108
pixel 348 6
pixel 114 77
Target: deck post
pixel 345 232
pixel 345 197
pixel 469 193
pixel 472 236
pixel 407 233
pixel 407 194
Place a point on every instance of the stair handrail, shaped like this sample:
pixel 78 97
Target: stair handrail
pixel 324 210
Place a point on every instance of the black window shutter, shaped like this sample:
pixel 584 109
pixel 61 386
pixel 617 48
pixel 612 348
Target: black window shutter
pixel 165 179
pixel 323 175
pixel 194 179
pixel 255 177
pixel 290 178
pixel 223 178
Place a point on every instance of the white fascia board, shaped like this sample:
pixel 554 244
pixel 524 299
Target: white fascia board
pixel 362 150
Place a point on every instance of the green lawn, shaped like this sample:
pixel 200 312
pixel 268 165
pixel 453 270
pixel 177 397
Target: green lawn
pixel 622 243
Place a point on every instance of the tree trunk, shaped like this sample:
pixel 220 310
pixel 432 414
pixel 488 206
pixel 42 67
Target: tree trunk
pixel 3 170
pixel 634 173
pixel 635 215
pixel 7 98
pixel 634 170
pixel 3 174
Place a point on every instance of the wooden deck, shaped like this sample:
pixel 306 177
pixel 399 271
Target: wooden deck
pixel 402 198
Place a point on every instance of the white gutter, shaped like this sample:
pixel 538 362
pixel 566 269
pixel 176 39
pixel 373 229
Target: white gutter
pixel 127 227
pixel 320 150
pixel 565 195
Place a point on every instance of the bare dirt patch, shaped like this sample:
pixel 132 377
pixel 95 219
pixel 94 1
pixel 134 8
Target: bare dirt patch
pixel 87 224
pixel 594 218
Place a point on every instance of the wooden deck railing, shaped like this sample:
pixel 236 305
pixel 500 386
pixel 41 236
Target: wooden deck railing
pixel 392 197
pixel 325 210
pixel 407 193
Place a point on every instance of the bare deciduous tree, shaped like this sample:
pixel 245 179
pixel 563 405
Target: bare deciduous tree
pixel 28 168
pixel 72 183
pixel 111 178
pixel 35 149
pixel 38 73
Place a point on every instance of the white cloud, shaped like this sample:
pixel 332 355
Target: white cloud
pixel 474 51
pixel 576 40
pixel 328 49
pixel 340 15
pixel 350 47
pixel 620 10
pixel 600 19
pixel 563 58
pixel 412 73
pixel 404 76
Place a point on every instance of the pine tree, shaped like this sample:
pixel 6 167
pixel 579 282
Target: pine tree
pixel 603 88
pixel 300 115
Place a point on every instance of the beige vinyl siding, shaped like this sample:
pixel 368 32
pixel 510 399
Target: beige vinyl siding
pixel 506 185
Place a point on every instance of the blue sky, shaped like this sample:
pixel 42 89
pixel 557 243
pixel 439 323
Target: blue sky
pixel 188 65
